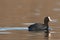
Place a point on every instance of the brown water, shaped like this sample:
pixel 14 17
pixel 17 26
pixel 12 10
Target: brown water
pixel 15 12
pixel 26 35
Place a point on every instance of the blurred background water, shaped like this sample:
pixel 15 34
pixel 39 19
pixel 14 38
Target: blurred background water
pixel 13 13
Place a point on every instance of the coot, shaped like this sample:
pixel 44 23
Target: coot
pixel 41 27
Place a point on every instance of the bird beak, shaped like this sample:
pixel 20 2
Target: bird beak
pixel 54 20
pixel 50 19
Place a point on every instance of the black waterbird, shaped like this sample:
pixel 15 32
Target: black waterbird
pixel 41 27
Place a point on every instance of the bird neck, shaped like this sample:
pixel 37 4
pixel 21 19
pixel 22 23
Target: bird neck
pixel 46 23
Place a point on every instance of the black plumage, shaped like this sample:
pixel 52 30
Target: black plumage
pixel 40 27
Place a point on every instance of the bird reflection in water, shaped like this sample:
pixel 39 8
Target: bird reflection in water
pixel 37 36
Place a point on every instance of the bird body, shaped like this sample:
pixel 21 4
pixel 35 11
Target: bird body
pixel 41 27
pixel 37 27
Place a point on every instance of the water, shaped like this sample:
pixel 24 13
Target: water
pixel 26 35
pixel 22 35
pixel 15 12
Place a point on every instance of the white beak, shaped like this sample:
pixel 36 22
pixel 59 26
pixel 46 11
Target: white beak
pixel 50 19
